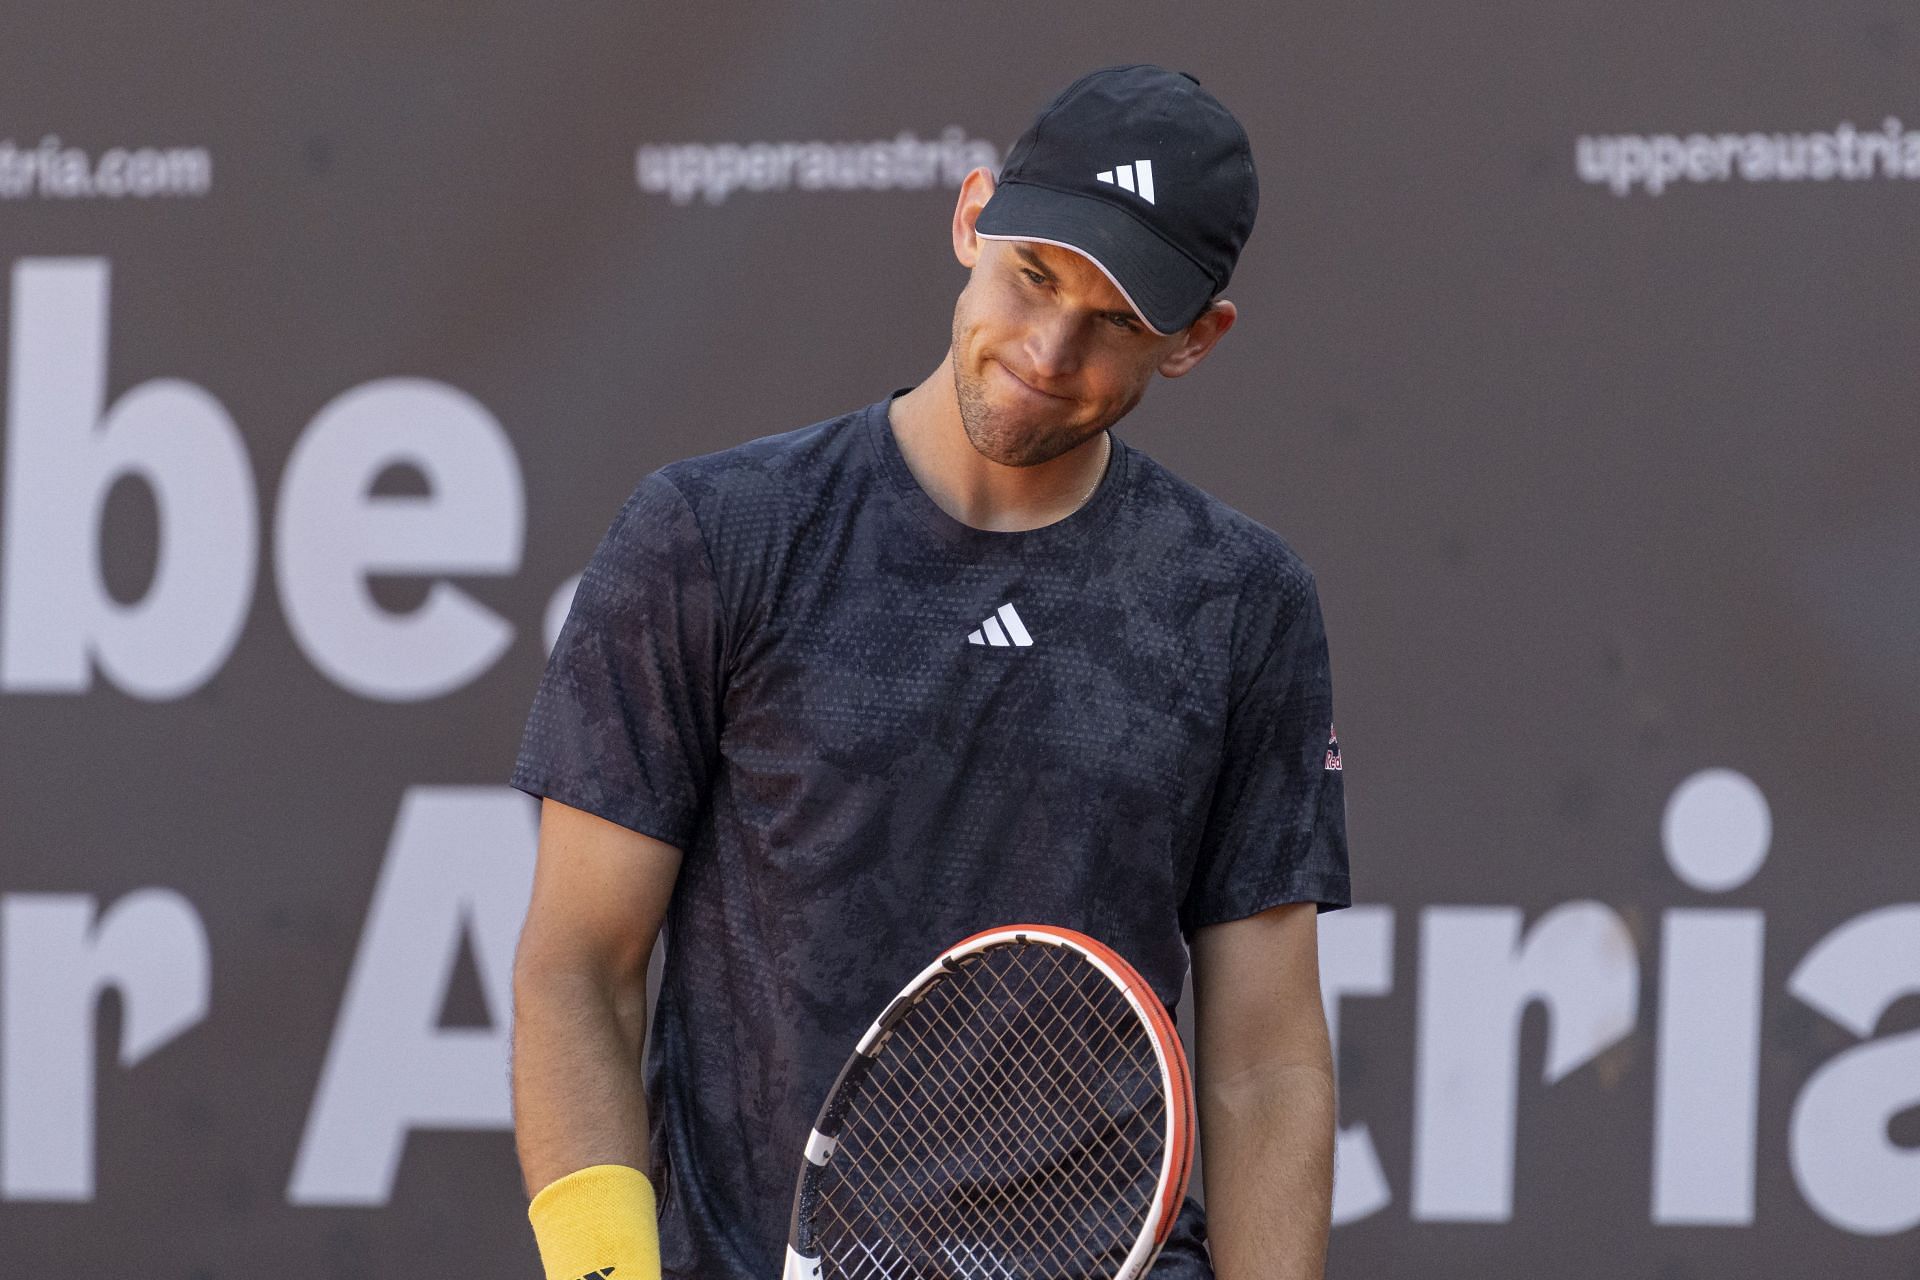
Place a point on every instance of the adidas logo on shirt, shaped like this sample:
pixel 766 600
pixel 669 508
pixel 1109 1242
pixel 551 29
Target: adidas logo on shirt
pixel 1136 177
pixel 1002 628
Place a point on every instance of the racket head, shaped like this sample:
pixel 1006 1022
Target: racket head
pixel 1022 1107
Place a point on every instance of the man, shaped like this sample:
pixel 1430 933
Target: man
pixel 832 700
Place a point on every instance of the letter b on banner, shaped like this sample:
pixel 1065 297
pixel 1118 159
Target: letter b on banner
pixel 62 458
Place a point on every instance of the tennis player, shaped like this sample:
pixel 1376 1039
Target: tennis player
pixel 831 700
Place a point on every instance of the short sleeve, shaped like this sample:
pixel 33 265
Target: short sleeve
pixel 625 724
pixel 1276 829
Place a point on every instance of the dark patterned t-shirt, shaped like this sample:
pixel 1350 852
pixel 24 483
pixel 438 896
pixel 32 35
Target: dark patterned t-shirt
pixel 874 730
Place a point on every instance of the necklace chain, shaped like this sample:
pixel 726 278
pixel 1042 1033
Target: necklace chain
pixel 1099 475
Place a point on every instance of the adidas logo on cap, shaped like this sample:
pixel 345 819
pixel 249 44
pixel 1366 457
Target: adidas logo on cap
pixel 1136 177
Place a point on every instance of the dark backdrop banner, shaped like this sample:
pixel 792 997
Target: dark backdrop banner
pixel 1576 354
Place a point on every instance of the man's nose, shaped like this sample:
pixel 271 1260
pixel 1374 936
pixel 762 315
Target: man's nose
pixel 1053 347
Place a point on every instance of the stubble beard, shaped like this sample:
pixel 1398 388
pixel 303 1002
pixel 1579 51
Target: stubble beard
pixel 996 438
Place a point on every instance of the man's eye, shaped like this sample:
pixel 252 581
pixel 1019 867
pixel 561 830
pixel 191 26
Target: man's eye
pixel 1033 276
pixel 1122 323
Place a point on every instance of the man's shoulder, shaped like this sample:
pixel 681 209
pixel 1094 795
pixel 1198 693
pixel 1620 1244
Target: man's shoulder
pixel 747 501
pixel 802 455
pixel 1216 538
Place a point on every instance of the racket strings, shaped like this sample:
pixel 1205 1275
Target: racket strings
pixel 1040 1195
pixel 909 1213
pixel 1013 1125
pixel 1024 1137
pixel 1104 1156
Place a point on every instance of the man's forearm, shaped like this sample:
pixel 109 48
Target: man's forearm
pixel 577 1093
pixel 1268 1153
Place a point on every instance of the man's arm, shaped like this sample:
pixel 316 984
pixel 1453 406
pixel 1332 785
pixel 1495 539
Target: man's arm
pixel 1264 1086
pixel 600 892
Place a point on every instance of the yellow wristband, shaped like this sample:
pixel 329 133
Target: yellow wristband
pixel 597 1224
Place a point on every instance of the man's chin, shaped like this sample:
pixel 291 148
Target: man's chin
pixel 1014 453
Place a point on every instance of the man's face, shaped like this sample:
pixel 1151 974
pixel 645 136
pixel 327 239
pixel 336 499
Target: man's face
pixel 1046 352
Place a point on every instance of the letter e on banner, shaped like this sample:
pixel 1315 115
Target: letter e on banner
pixel 331 532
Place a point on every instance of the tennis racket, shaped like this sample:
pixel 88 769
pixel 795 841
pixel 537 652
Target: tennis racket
pixel 1021 1111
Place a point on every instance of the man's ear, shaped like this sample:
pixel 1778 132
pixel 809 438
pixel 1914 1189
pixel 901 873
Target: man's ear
pixel 975 191
pixel 1200 337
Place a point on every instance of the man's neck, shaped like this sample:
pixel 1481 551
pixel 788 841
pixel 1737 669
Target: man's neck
pixel 975 490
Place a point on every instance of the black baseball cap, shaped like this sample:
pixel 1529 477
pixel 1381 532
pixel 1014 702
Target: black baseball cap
pixel 1143 172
